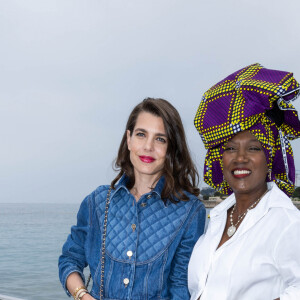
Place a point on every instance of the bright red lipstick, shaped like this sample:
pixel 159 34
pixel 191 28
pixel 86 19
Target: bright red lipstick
pixel 147 159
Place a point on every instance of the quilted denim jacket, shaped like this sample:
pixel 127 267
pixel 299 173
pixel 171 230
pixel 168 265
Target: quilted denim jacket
pixel 148 244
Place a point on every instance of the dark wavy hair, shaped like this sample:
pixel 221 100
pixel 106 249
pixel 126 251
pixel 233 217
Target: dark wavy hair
pixel 179 170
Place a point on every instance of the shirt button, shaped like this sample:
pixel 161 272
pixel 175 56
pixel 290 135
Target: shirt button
pixel 149 196
pixel 129 253
pixel 143 204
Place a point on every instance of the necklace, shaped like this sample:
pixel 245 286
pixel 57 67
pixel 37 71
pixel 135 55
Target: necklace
pixel 136 194
pixel 232 228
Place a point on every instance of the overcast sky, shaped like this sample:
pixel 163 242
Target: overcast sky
pixel 71 71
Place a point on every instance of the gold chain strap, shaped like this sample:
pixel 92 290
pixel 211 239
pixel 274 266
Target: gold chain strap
pixel 103 244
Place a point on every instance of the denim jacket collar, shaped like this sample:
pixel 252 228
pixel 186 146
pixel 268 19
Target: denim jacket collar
pixel 122 184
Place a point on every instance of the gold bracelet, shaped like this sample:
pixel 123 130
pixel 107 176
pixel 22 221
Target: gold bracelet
pixel 81 294
pixel 78 289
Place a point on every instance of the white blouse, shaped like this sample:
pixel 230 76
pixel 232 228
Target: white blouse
pixel 260 262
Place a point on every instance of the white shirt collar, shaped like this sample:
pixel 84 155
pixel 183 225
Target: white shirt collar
pixel 274 198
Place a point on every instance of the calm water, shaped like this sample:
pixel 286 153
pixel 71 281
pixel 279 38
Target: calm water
pixel 31 237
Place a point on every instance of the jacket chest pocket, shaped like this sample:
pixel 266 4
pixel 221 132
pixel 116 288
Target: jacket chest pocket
pixel 134 281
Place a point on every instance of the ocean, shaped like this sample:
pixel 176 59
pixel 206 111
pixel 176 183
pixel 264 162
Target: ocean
pixel 31 238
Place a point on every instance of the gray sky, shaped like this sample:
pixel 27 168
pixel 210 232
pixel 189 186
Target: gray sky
pixel 71 71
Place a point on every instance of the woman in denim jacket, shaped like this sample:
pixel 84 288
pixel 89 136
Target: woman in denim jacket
pixel 153 215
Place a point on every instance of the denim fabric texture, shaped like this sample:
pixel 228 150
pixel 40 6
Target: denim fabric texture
pixel 160 244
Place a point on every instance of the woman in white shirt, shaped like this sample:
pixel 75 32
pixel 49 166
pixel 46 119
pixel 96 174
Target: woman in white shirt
pixel 251 249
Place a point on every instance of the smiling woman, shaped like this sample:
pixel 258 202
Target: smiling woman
pixel 157 122
pixel 245 165
pixel 251 247
pixel 148 145
pixel 138 234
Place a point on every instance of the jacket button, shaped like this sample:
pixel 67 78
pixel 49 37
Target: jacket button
pixel 126 281
pixel 149 196
pixel 133 226
pixel 143 204
pixel 129 253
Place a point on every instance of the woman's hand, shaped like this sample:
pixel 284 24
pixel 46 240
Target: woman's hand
pixel 87 297
pixel 74 281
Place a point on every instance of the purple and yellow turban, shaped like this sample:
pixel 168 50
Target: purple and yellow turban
pixel 255 99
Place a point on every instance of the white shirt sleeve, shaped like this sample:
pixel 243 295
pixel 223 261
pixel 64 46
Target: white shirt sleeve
pixel 287 260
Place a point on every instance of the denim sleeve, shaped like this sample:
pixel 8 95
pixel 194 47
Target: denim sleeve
pixel 73 257
pixel 177 282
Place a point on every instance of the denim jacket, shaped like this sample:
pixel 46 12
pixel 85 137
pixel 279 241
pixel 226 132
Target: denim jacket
pixel 148 243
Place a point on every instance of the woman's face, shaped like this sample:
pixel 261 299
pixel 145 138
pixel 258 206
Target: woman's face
pixel 244 164
pixel 148 145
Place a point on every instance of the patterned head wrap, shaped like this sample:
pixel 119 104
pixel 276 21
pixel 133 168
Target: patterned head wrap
pixel 255 99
